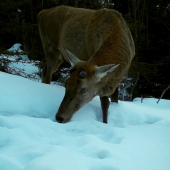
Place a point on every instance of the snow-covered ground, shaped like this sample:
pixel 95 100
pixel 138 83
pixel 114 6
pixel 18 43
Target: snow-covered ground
pixel 20 64
pixel 137 136
pixel 16 48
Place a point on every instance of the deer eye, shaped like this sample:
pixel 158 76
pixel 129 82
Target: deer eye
pixel 83 91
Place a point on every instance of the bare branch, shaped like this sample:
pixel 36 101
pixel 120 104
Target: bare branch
pixel 134 85
pixel 167 27
pixel 163 93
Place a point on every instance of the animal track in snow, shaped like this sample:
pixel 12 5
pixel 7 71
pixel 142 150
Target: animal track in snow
pixel 98 114
pixel 111 138
pixel 102 154
pixel 5 122
pixel 87 130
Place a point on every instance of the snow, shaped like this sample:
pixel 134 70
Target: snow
pixel 136 137
pixel 19 64
pixel 16 48
pixel 26 69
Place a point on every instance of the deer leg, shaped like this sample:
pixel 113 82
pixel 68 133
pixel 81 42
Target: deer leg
pixel 53 62
pixel 105 106
pixel 44 72
pixel 50 69
pixel 114 96
pixel 47 73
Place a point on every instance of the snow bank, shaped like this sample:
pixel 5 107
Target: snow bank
pixel 15 48
pixel 20 64
pixel 136 137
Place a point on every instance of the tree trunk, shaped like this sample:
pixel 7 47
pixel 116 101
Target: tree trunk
pixel 147 25
pixel 76 3
pixel 135 29
pixel 25 43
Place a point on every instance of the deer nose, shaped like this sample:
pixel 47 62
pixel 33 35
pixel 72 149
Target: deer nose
pixel 59 119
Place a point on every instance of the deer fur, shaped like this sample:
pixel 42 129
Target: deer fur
pixel 97 43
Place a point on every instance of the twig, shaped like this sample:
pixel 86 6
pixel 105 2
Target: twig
pixel 166 26
pixel 163 93
pixel 134 86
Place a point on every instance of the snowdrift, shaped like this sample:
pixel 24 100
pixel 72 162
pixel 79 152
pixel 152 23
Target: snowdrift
pixel 136 137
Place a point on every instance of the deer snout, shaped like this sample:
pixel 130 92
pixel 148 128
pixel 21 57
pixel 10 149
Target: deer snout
pixel 59 119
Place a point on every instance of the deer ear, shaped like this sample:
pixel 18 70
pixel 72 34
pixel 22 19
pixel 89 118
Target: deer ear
pixel 104 70
pixel 71 57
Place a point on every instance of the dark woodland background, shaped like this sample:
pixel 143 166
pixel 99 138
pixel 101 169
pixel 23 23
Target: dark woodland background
pixel 148 20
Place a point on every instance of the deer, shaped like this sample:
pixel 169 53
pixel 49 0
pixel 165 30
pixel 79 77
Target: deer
pixel 99 47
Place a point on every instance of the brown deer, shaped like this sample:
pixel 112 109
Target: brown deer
pixel 98 45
